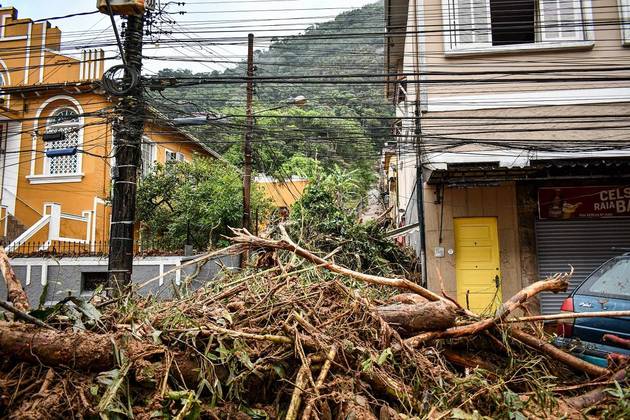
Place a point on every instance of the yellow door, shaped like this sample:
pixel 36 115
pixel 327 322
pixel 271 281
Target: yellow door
pixel 477 267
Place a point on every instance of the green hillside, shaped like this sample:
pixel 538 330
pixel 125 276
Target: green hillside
pixel 319 51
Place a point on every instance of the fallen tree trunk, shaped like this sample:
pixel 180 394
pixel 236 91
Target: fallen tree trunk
pixel 430 316
pixel 15 292
pixel 80 350
pixel 557 283
pixel 83 351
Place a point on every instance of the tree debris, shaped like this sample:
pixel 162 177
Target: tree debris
pixel 293 339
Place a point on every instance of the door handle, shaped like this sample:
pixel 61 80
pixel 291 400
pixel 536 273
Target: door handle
pixel 497 281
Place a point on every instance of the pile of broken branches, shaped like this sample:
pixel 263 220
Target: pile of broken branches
pixel 294 336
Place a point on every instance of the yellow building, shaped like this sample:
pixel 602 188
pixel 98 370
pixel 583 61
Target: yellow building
pixel 51 200
pixel 283 194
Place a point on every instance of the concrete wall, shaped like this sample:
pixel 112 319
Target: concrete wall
pixel 495 201
pixel 62 277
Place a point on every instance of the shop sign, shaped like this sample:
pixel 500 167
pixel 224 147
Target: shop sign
pixel 584 202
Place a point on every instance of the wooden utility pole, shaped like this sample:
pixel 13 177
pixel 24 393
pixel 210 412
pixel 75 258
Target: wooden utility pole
pixel 128 131
pixel 249 129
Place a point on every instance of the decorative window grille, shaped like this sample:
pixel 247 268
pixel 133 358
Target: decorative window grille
pixel 64 120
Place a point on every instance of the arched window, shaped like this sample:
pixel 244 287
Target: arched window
pixel 4 99
pixel 64 120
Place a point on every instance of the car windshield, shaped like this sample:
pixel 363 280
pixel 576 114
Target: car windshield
pixel 612 278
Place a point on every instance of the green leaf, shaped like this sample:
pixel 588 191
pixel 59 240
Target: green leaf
pixel 458 413
pixel 244 359
pixel 87 309
pixel 366 365
pixel 280 371
pixel 255 413
pixel 384 356
pixel 155 335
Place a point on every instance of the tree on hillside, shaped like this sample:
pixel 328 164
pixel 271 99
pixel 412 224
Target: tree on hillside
pixel 281 134
pixel 320 51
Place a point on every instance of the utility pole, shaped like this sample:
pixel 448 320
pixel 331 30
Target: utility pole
pixel 128 131
pixel 249 129
pixel 422 245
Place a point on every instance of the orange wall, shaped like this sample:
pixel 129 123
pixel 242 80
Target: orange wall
pixel 283 194
pixel 44 65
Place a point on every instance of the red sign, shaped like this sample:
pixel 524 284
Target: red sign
pixel 584 202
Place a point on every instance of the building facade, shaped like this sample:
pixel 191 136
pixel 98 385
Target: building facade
pixel 56 140
pixel 512 126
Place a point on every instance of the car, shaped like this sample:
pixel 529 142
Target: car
pixel 599 340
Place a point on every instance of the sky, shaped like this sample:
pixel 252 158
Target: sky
pixel 239 17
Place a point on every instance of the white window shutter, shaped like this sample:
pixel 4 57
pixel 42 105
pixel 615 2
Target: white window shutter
pixel 170 156
pixel 472 23
pixel 624 14
pixel 561 20
pixel 181 157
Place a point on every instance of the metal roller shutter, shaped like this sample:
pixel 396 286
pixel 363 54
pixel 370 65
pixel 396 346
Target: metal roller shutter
pixel 583 244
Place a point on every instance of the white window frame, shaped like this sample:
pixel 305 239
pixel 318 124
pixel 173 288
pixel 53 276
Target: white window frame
pixel 552 35
pixel 147 142
pixel 72 124
pixel 3 82
pixel 452 49
pixel 178 156
pixel 168 152
pixel 624 18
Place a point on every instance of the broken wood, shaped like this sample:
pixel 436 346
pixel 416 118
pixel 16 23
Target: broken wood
pixel 572 315
pixel 617 341
pixel 76 350
pixel 408 298
pixel 554 352
pixel 430 316
pixel 468 360
pixel 557 283
pixel 593 397
pixel 296 398
pixel 80 350
pixel 24 316
pixel 308 410
pixel 15 292
pixel 244 237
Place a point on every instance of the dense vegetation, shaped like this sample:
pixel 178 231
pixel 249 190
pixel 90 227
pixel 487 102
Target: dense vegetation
pixel 352 143
pixel 192 202
pixel 327 218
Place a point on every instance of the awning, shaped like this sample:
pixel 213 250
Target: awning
pixel 474 174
